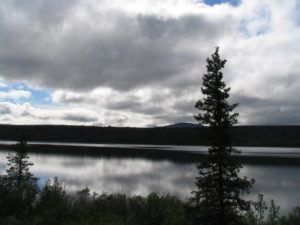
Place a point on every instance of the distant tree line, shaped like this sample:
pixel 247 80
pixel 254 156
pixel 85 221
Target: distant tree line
pixel 284 136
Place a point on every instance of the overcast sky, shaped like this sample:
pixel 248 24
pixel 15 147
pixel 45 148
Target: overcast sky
pixel 140 62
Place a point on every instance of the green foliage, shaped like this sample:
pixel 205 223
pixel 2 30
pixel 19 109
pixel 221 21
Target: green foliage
pixel 53 206
pixel 292 218
pixel 260 207
pixel 11 220
pixel 165 210
pixel 257 212
pixel 273 218
pixel 18 188
pixel 18 175
pixel 217 199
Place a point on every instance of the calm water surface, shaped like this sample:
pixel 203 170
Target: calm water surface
pixel 140 176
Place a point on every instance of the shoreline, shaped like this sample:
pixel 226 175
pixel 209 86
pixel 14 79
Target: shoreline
pixel 153 152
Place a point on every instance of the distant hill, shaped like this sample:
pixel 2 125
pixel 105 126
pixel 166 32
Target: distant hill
pixel 183 125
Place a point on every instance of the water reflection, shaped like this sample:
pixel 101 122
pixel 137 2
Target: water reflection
pixel 132 176
pixel 140 176
pixel 281 183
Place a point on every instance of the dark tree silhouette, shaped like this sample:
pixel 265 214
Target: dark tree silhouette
pixel 218 196
pixel 18 186
pixel 18 174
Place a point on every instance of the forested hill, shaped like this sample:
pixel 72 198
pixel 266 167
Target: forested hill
pixel 288 136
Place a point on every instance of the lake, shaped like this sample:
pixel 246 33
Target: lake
pixel 140 175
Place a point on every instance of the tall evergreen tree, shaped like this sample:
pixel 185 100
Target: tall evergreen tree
pixel 219 187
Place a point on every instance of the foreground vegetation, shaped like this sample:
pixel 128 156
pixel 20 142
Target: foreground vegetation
pixel 53 205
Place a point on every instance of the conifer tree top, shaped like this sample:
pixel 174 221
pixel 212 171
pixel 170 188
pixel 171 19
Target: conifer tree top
pixel 215 111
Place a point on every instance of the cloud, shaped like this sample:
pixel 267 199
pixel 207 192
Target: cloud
pixel 2 84
pixel 163 106
pixel 80 118
pixel 89 48
pixel 28 114
pixel 4 109
pixel 141 62
pixel 15 94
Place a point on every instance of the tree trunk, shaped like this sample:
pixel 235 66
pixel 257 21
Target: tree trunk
pixel 221 191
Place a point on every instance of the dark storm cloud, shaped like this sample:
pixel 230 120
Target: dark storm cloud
pixel 46 13
pixel 185 106
pixel 133 104
pixel 118 50
pixel 273 115
pixel 247 101
pixel 167 119
pixel 189 27
pixel 130 103
pixel 263 111
pixel 79 118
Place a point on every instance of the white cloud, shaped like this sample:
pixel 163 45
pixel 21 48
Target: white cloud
pixel 142 107
pixel 28 114
pixel 14 94
pixel 2 84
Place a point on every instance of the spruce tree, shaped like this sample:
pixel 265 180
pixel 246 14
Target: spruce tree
pixel 19 184
pixel 219 187
pixel 18 174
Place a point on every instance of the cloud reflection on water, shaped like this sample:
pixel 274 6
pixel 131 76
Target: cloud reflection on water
pixel 281 183
pixel 140 176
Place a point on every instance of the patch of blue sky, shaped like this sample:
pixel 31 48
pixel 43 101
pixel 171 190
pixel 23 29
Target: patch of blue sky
pixel 37 96
pixel 243 30
pixel 40 97
pixel 217 2
pixel 297 13
pixel 263 18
